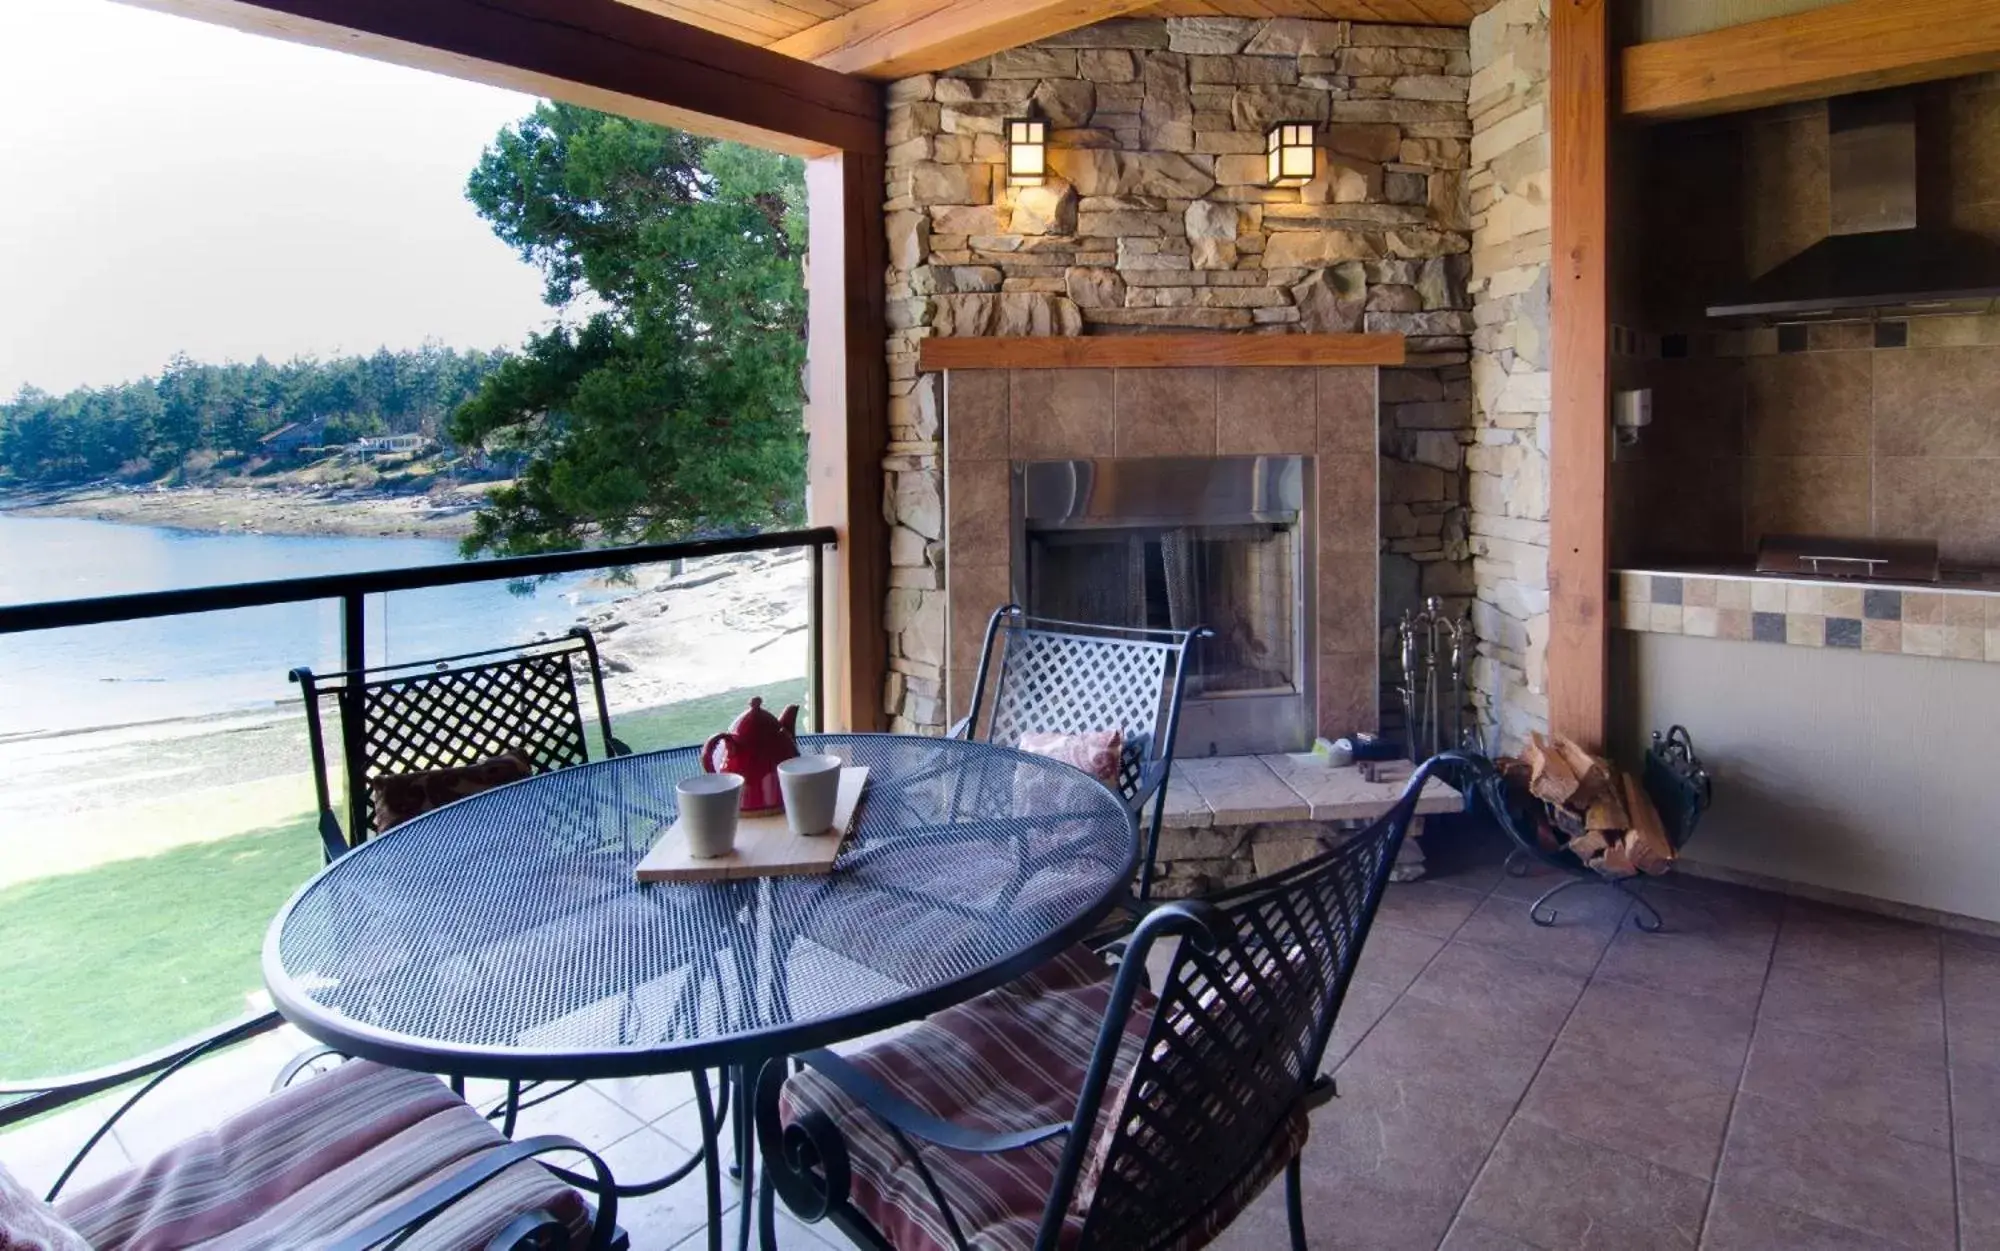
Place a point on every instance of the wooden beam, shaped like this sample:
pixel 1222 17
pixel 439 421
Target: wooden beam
pixel 1856 46
pixel 600 53
pixel 895 38
pixel 1580 335
pixel 847 424
pixel 1159 351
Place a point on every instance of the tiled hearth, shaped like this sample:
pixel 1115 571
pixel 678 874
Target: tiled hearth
pixel 1234 818
pixel 996 418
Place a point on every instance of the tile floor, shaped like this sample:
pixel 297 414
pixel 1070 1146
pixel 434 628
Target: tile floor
pixel 1771 1074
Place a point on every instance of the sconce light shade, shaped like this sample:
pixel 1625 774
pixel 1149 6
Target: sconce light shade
pixel 1289 152
pixel 1027 152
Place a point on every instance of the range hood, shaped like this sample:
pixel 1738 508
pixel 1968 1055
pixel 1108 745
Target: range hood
pixel 1879 257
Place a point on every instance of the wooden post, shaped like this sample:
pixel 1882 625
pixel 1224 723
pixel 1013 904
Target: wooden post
pixel 1580 419
pixel 847 423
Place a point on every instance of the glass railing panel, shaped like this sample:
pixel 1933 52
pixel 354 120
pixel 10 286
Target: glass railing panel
pixel 683 645
pixel 155 809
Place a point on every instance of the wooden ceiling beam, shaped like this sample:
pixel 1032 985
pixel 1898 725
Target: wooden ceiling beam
pixel 896 38
pixel 1860 45
pixel 600 53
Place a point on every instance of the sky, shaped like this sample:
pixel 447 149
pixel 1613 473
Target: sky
pixel 166 185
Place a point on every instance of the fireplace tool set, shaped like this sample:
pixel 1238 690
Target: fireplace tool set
pixel 1435 649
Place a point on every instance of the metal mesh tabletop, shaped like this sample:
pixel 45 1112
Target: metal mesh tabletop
pixel 505 936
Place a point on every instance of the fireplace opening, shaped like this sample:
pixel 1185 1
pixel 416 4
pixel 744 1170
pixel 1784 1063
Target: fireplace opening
pixel 1235 579
pixel 1172 543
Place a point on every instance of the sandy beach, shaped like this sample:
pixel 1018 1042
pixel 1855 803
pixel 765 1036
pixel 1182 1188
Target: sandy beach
pixel 263 509
pixel 76 799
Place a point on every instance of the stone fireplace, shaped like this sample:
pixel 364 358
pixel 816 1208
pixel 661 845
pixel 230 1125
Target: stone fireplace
pixel 1241 498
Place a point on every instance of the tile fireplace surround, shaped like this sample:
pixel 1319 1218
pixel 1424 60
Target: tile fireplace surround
pixel 996 417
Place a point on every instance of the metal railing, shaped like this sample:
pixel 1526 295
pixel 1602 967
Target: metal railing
pixel 352 589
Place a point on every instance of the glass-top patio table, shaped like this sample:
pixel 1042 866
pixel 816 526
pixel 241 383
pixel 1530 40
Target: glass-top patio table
pixel 504 936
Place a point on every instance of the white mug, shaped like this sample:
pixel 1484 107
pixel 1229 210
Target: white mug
pixel 710 804
pixel 811 787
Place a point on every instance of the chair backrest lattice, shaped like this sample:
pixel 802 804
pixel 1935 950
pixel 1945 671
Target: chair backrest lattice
pixel 1237 1038
pixel 1068 679
pixel 442 714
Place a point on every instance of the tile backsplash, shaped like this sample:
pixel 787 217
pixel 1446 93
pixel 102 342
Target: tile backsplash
pixel 1887 429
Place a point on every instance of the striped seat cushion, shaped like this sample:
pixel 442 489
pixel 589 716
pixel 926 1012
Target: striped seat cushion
pixel 1012 1059
pixel 315 1162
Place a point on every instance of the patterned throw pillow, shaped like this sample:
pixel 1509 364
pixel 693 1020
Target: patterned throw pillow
pixel 28 1224
pixel 1096 752
pixel 401 796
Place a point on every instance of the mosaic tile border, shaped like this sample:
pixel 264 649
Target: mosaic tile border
pixel 1960 625
pixel 1929 331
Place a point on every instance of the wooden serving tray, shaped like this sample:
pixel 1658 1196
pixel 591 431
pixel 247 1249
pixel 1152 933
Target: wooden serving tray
pixel 765 846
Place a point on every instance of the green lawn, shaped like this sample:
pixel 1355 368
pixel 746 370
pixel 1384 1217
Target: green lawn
pixel 105 964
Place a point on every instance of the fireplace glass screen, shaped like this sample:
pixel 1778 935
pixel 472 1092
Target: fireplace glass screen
pixel 1238 580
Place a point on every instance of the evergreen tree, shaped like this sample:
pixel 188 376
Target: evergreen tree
pixel 671 402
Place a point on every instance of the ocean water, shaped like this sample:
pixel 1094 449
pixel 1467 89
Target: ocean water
pixel 173 667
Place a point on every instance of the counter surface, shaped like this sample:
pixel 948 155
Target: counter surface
pixel 1958 620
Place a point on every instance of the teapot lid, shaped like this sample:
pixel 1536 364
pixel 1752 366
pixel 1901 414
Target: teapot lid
pixel 756 719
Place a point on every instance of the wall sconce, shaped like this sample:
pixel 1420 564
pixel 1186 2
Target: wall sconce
pixel 1289 151
pixel 1027 152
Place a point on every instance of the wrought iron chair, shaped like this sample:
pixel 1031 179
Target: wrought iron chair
pixel 1075 1107
pixel 450 712
pixel 360 1156
pixel 1069 677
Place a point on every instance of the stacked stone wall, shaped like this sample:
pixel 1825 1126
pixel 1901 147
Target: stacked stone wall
pixel 1156 219
pixel 1508 461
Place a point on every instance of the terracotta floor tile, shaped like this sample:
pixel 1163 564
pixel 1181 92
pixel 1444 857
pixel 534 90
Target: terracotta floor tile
pixel 1587 919
pixel 1497 985
pixel 1667 962
pixel 1428 907
pixel 1909 1017
pixel 1674 1119
pixel 1897 1091
pixel 1859 1178
pixel 1471 1236
pixel 1556 1191
pixel 1975 1111
pixel 1856 945
pixel 1978 1204
pixel 1393 956
pixel 1737 1222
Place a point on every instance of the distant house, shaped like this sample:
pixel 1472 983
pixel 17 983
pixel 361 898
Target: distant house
pixel 290 438
pixel 386 444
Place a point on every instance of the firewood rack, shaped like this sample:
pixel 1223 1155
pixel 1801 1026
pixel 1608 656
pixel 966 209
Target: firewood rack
pixel 1674 779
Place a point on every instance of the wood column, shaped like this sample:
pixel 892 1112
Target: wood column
pixel 847 424
pixel 1580 419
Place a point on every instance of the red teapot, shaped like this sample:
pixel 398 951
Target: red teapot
pixel 752 749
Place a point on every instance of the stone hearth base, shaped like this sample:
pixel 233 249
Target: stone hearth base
pixel 1231 819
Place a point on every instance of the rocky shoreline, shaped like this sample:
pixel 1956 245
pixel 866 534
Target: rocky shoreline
pixel 249 509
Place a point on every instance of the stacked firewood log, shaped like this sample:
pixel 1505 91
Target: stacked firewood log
pixel 1590 807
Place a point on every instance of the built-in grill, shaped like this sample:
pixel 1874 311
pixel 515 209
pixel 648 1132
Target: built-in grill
pixel 1869 560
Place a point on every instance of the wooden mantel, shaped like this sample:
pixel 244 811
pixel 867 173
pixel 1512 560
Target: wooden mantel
pixel 1160 351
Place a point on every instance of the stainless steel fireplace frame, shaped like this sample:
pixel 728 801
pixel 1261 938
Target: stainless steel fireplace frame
pixel 1131 493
